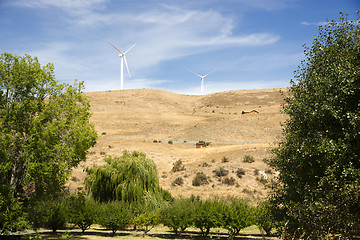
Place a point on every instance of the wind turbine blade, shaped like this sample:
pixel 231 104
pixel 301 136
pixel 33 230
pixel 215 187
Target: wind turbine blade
pixel 193 72
pixel 115 48
pixel 210 73
pixel 127 67
pixel 130 48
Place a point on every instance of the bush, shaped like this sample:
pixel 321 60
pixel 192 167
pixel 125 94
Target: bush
pixel 170 142
pixel 178 181
pixel 221 172
pixel 249 159
pixel 240 172
pixel 229 181
pixel 200 179
pixel 225 160
pixel 262 179
pixel 178 166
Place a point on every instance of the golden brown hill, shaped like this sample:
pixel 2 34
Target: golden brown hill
pixel 149 120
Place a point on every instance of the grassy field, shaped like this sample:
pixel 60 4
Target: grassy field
pixel 157 233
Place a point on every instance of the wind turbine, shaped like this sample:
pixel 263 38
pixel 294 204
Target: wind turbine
pixel 202 79
pixel 122 59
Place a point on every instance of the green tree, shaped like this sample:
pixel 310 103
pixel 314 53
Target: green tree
pixel 44 132
pixel 48 213
pixel 131 178
pixel 208 214
pixel 115 215
pixel 318 157
pixel 178 215
pixel 147 220
pixel 236 216
pixel 81 211
pixel 264 217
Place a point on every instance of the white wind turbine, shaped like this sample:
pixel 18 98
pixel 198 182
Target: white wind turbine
pixel 202 79
pixel 122 59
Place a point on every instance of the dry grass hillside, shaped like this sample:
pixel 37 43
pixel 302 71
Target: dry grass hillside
pixel 147 119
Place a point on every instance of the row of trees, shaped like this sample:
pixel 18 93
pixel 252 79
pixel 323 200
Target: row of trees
pixel 179 214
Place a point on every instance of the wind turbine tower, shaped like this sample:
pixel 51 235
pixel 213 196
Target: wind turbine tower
pixel 202 79
pixel 122 60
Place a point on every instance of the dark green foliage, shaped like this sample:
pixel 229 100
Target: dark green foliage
pixel 177 215
pixel 221 172
pixel 49 213
pixel 249 159
pixel 319 156
pixel 178 166
pixel 225 160
pixel 170 142
pixel 200 179
pixel 44 133
pixel 131 178
pixel 240 172
pixel 114 215
pixel 178 181
pixel 81 211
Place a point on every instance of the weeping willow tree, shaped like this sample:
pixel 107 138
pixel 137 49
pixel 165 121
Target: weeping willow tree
pixel 130 178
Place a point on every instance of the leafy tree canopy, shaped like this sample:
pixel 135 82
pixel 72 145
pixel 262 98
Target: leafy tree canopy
pixel 319 156
pixel 131 178
pixel 44 130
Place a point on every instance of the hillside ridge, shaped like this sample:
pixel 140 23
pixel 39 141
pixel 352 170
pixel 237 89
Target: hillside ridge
pixel 165 126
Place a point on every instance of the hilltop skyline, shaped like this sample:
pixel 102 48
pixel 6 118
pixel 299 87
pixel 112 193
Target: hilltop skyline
pixel 251 44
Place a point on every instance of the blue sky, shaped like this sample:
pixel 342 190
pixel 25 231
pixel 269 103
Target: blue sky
pixel 250 43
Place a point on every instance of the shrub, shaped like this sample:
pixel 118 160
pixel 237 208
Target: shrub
pixel 170 142
pixel 200 179
pixel 221 172
pixel 225 160
pixel 178 181
pixel 262 179
pixel 205 164
pixel 103 133
pixel 240 172
pixel 249 159
pixel 229 181
pixel 256 171
pixel 178 166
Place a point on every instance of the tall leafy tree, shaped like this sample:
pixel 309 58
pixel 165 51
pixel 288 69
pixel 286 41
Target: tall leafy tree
pixel 44 132
pixel 130 178
pixel 319 156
